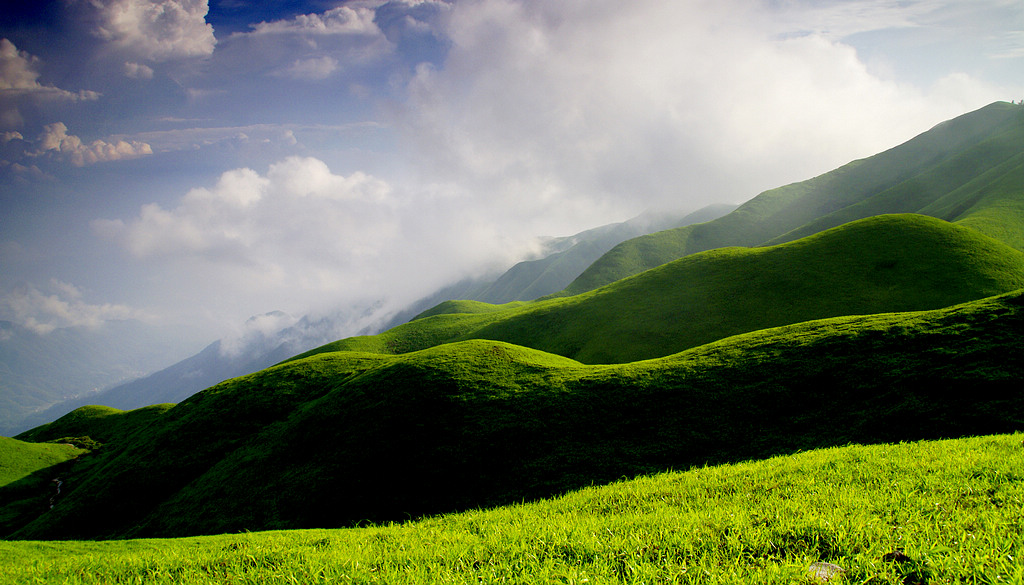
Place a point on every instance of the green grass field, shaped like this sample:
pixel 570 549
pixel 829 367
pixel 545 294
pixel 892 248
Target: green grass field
pixel 930 512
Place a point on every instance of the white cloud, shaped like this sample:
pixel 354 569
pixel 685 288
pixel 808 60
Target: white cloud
pixel 299 204
pixel 300 237
pixel 551 108
pixel 156 30
pixel 138 70
pixel 55 140
pixel 59 305
pixel 19 80
pixel 342 20
pixel 313 68
pixel 311 47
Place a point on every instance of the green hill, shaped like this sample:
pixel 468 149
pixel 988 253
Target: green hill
pixel 19 459
pixel 29 473
pixel 340 438
pixel 927 512
pixel 966 169
pixel 880 264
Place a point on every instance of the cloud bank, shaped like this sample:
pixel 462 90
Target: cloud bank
pixel 60 305
pixel 55 140
pixel 573 104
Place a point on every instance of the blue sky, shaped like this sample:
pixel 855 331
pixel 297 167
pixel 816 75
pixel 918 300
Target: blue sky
pixel 194 162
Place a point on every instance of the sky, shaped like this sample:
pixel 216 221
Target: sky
pixel 196 162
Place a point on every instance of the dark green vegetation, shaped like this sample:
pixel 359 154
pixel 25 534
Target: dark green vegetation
pixel 28 476
pixel 898 263
pixel 932 512
pixel 968 170
pixel 343 437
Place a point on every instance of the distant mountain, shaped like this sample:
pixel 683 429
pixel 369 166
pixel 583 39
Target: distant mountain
pixel 256 349
pixel 348 437
pixel 570 256
pixel 562 260
pixel 38 370
pixel 877 265
pixel 265 340
pixel 969 169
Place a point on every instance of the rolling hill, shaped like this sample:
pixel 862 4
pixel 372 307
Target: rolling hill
pixel 876 265
pixel 343 437
pixel 967 169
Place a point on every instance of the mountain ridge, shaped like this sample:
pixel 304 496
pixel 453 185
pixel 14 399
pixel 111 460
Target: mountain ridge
pixel 785 210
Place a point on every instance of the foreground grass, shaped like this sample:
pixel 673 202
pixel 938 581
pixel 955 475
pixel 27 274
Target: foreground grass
pixel 929 512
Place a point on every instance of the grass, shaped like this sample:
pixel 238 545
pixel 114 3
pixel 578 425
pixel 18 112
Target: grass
pixel 912 177
pixel 881 264
pixel 19 459
pixel 342 437
pixel 927 512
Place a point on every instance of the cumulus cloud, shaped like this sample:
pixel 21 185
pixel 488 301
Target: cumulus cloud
pixel 58 305
pixel 19 80
pixel 56 141
pixel 565 106
pixel 155 30
pixel 299 206
pixel 300 237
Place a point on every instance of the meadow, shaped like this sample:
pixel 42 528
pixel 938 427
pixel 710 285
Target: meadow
pixel 949 511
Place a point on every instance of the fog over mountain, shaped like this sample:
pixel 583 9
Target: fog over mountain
pixel 264 340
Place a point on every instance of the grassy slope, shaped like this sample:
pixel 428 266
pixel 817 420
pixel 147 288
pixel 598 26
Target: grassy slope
pixel 536 278
pixel 951 509
pixel 27 474
pixel 100 423
pixel 953 190
pixel 881 264
pixel 342 437
pixel 19 459
pixel 907 178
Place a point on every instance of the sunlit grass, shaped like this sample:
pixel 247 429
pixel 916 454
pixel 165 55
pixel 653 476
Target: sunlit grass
pixel 929 512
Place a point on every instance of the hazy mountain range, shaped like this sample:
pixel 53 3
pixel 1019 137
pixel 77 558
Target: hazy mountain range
pixel 98 361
